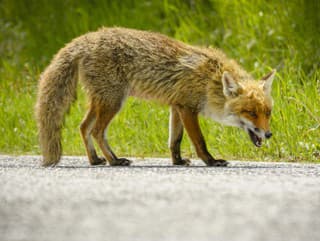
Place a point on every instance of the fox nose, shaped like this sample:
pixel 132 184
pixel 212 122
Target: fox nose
pixel 268 134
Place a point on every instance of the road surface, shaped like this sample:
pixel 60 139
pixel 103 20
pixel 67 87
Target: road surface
pixel 153 201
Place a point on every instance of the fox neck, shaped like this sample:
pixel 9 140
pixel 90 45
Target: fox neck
pixel 216 106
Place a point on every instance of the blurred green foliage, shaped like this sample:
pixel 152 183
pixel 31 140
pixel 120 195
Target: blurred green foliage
pixel 259 34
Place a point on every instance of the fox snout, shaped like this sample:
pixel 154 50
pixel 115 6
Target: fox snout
pixel 267 134
pixel 257 134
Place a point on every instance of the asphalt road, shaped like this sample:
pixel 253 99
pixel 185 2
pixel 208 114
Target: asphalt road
pixel 153 200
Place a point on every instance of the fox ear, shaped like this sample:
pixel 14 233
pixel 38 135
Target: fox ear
pixel 230 86
pixel 266 81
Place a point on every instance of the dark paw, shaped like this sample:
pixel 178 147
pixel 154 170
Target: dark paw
pixel 217 163
pixel 182 162
pixel 121 162
pixel 98 161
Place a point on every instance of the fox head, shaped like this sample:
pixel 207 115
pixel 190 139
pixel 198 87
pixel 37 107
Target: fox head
pixel 248 105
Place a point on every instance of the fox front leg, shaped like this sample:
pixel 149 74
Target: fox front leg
pixel 190 122
pixel 175 138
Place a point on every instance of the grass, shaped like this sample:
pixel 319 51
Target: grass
pixel 259 34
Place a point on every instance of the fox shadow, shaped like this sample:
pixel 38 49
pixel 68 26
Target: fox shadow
pixel 150 166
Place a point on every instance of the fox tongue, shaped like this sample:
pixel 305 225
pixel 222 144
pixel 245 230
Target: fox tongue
pixel 257 141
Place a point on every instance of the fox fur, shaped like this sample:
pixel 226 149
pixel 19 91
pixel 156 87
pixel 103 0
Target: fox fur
pixel 114 63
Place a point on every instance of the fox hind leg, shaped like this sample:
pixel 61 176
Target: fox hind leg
pixel 175 138
pixel 86 129
pixel 104 115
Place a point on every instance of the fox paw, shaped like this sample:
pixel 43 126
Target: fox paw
pixel 217 163
pixel 182 162
pixel 120 162
pixel 98 161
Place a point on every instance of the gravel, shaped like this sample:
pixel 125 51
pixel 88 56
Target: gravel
pixel 153 200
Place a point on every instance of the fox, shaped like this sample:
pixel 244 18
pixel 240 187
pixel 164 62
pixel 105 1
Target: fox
pixel 114 63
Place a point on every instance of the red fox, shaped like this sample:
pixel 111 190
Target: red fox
pixel 114 63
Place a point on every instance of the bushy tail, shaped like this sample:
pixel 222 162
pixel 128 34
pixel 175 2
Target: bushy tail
pixel 57 90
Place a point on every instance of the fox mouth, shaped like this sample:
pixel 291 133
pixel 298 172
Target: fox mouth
pixel 256 140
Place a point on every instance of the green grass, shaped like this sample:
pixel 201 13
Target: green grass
pixel 259 34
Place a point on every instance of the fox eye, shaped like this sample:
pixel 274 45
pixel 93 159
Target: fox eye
pixel 268 113
pixel 253 114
